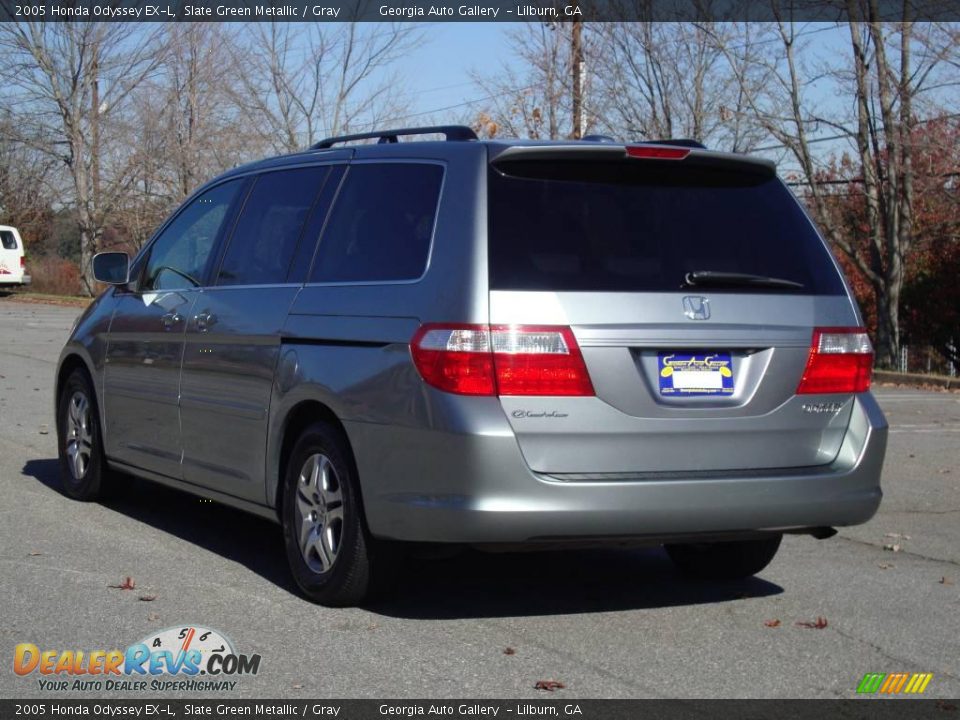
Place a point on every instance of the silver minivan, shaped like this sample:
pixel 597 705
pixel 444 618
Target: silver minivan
pixel 498 343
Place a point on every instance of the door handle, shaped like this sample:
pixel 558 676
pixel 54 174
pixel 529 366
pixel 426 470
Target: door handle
pixel 205 320
pixel 170 319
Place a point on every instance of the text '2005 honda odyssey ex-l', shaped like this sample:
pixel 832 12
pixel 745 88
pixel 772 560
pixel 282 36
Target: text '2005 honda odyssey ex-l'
pixel 484 343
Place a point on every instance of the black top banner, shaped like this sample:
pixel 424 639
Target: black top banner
pixel 477 10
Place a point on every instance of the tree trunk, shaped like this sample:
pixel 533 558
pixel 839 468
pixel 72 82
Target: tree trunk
pixel 887 305
pixel 88 248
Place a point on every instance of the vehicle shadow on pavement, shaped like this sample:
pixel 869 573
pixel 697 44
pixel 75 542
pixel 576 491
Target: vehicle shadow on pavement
pixel 470 584
pixel 209 525
pixel 560 582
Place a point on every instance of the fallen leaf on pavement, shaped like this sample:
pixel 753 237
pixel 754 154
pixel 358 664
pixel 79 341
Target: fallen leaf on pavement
pixel 819 624
pixel 152 617
pixel 549 685
pixel 297 686
pixel 127 584
pixel 35 553
pixel 885 566
pixel 148 598
pixel 946 581
pixel 893 547
pixel 509 651
pixel 772 623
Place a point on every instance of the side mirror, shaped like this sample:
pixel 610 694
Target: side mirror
pixel 112 268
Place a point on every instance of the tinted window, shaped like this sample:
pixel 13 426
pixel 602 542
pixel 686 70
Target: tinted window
pixel 307 247
pixel 178 258
pixel 642 226
pixel 266 234
pixel 8 240
pixel 381 224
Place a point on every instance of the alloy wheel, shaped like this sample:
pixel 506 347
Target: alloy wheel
pixel 319 516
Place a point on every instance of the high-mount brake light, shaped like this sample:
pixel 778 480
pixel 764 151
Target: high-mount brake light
pixel 501 360
pixel 840 361
pixel 657 152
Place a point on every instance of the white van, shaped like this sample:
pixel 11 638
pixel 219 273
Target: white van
pixel 12 265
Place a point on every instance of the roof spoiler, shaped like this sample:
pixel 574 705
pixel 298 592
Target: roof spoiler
pixel 586 152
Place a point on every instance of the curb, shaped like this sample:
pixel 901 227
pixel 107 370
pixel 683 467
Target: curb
pixel 55 301
pixel 917 380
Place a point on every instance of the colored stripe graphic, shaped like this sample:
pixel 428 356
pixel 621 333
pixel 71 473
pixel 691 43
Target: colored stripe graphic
pixel 894 683
pixel 927 677
pixel 889 683
pixel 870 683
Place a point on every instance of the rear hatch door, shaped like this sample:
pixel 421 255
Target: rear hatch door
pixel 692 284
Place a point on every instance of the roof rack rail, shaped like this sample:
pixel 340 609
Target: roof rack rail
pixel 679 142
pixel 451 132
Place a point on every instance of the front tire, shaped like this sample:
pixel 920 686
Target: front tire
pixel 83 470
pixel 332 557
pixel 725 560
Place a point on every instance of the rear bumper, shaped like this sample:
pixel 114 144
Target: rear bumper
pixel 432 486
pixel 14 281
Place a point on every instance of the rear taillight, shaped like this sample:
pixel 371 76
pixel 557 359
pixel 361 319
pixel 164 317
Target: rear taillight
pixel 840 361
pixel 501 360
pixel 23 262
pixel 657 152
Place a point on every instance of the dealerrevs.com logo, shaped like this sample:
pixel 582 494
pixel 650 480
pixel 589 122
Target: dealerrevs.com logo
pixel 189 658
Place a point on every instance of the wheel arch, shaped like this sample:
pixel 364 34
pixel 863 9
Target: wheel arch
pixel 68 364
pixel 296 420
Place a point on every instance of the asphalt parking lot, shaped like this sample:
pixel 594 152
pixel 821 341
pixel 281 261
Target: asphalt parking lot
pixel 607 624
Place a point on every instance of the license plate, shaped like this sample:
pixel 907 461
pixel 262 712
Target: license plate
pixel 702 373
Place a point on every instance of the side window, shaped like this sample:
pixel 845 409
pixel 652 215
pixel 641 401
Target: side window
pixel 178 258
pixel 8 240
pixel 266 234
pixel 381 224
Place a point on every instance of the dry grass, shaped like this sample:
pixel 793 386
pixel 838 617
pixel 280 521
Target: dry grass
pixel 54 276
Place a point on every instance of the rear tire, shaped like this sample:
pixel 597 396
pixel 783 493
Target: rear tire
pixel 332 557
pixel 725 560
pixel 83 469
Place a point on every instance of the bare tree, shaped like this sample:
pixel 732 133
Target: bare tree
pixel 538 102
pixel 671 80
pixel 888 70
pixel 205 131
pixel 302 82
pixel 69 80
pixel 27 180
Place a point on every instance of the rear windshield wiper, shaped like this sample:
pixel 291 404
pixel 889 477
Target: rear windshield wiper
pixel 732 279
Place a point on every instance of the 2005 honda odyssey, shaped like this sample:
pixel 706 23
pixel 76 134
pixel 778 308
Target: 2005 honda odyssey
pixel 455 341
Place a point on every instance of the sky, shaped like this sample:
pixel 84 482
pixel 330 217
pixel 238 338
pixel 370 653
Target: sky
pixel 438 76
pixel 439 72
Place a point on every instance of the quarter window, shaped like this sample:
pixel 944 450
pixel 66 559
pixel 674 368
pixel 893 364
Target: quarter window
pixel 178 258
pixel 270 224
pixel 8 240
pixel 381 224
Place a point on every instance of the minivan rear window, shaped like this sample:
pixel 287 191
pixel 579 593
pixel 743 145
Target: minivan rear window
pixel 8 240
pixel 641 226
